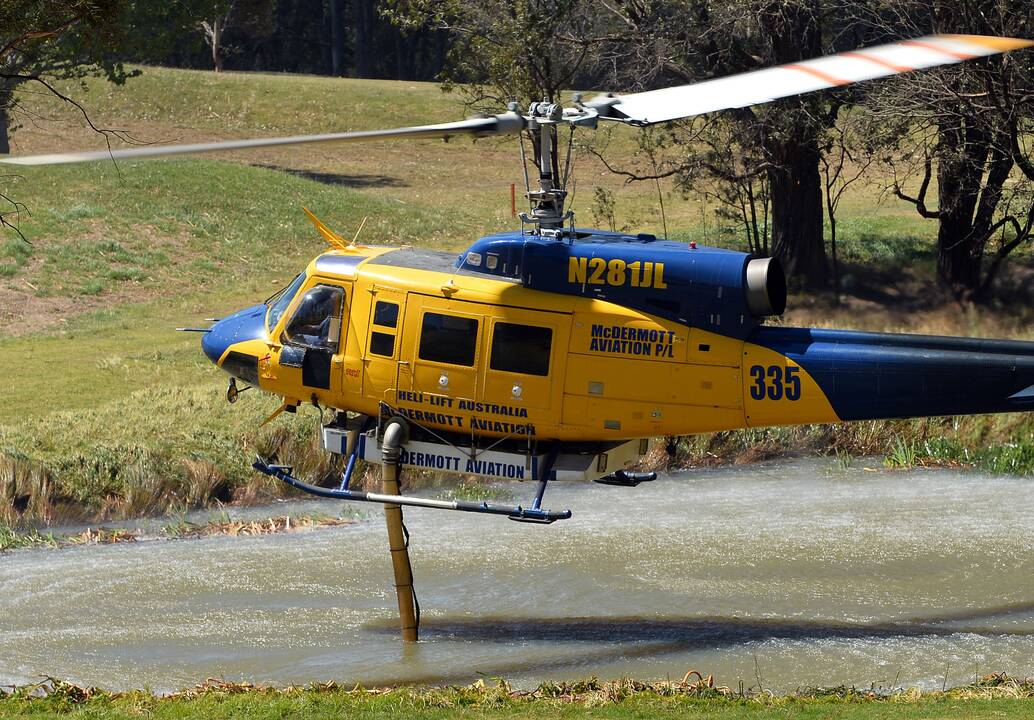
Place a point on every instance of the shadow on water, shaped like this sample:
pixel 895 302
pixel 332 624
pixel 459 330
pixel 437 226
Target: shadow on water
pixel 684 634
pixel 630 637
pixel 339 179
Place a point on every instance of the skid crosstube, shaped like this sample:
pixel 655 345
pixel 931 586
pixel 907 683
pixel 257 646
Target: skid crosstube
pixel 516 512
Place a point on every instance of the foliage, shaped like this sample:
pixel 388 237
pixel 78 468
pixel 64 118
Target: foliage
pixel 505 51
pixel 257 16
pixel 760 164
pixel 967 126
pixel 56 39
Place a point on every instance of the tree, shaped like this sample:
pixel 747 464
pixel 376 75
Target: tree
pixel 842 166
pixel 506 50
pixel 53 39
pixel 967 126
pixel 257 16
pixel 666 42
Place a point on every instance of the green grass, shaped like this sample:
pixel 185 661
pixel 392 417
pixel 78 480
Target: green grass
pixel 170 229
pixel 108 411
pixel 618 699
pixel 989 443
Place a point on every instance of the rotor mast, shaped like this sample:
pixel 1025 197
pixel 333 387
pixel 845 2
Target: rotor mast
pixel 547 202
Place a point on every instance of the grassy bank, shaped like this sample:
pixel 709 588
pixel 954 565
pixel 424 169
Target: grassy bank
pixel 995 444
pixel 992 697
pixel 109 413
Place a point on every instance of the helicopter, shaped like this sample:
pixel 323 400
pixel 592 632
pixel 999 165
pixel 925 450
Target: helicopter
pixel 554 352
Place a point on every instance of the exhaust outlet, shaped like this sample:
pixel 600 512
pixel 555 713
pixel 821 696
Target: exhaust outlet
pixel 765 287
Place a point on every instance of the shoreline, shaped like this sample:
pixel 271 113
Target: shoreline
pixel 76 532
pixel 996 695
pixel 13 539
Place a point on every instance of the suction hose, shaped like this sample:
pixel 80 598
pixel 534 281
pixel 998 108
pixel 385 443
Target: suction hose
pixel 395 435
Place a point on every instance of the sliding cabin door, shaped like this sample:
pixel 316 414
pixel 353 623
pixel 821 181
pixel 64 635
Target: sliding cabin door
pixel 525 363
pixel 441 352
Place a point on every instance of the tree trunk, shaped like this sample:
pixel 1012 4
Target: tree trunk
pixel 337 39
pixel 796 190
pixel 217 38
pixel 364 38
pixel 400 56
pixel 5 123
pixel 958 261
pixel 960 245
pixel 793 147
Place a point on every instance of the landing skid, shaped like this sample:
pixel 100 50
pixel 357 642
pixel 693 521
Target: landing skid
pixel 395 444
pixel 362 438
pixel 534 514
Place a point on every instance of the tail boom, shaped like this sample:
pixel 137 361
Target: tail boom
pixel 847 375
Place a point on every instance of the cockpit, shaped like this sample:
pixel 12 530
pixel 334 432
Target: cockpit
pixel 278 302
pixel 316 322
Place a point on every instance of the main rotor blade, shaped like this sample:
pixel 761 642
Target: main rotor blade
pixel 762 86
pixel 509 122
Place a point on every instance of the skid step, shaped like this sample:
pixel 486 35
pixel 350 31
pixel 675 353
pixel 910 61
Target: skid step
pixel 623 478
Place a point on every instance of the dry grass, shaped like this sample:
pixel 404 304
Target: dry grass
pixel 85 474
pixel 25 490
pixel 11 539
pixel 589 693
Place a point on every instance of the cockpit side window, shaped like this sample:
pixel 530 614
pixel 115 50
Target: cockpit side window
pixel 278 303
pixel 317 321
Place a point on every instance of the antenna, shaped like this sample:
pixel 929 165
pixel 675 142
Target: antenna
pixel 361 226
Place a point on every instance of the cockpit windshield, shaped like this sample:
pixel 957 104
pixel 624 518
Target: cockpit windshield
pixel 278 302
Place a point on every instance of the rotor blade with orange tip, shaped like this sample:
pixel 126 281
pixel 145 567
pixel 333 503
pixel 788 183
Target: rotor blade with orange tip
pixel 762 86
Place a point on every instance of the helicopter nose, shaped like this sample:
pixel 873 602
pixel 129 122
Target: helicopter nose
pixel 247 324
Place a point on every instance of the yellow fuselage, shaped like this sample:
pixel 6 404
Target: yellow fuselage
pixel 606 373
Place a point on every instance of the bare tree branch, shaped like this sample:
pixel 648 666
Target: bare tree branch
pixel 16 211
pixel 107 133
pixel 920 200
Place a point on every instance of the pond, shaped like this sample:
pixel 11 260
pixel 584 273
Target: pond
pixel 788 575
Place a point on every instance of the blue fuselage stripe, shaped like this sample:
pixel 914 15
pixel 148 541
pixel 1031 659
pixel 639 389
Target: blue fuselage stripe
pixel 880 375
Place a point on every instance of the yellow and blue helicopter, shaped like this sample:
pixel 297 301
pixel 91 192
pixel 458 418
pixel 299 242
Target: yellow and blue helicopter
pixel 552 351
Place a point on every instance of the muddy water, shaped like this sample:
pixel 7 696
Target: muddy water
pixel 798 573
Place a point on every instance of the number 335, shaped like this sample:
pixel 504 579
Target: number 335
pixel 775 382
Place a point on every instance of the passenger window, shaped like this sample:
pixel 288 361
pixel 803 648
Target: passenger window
pixel 382 344
pixel 448 339
pixel 521 349
pixel 386 314
pixel 317 321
